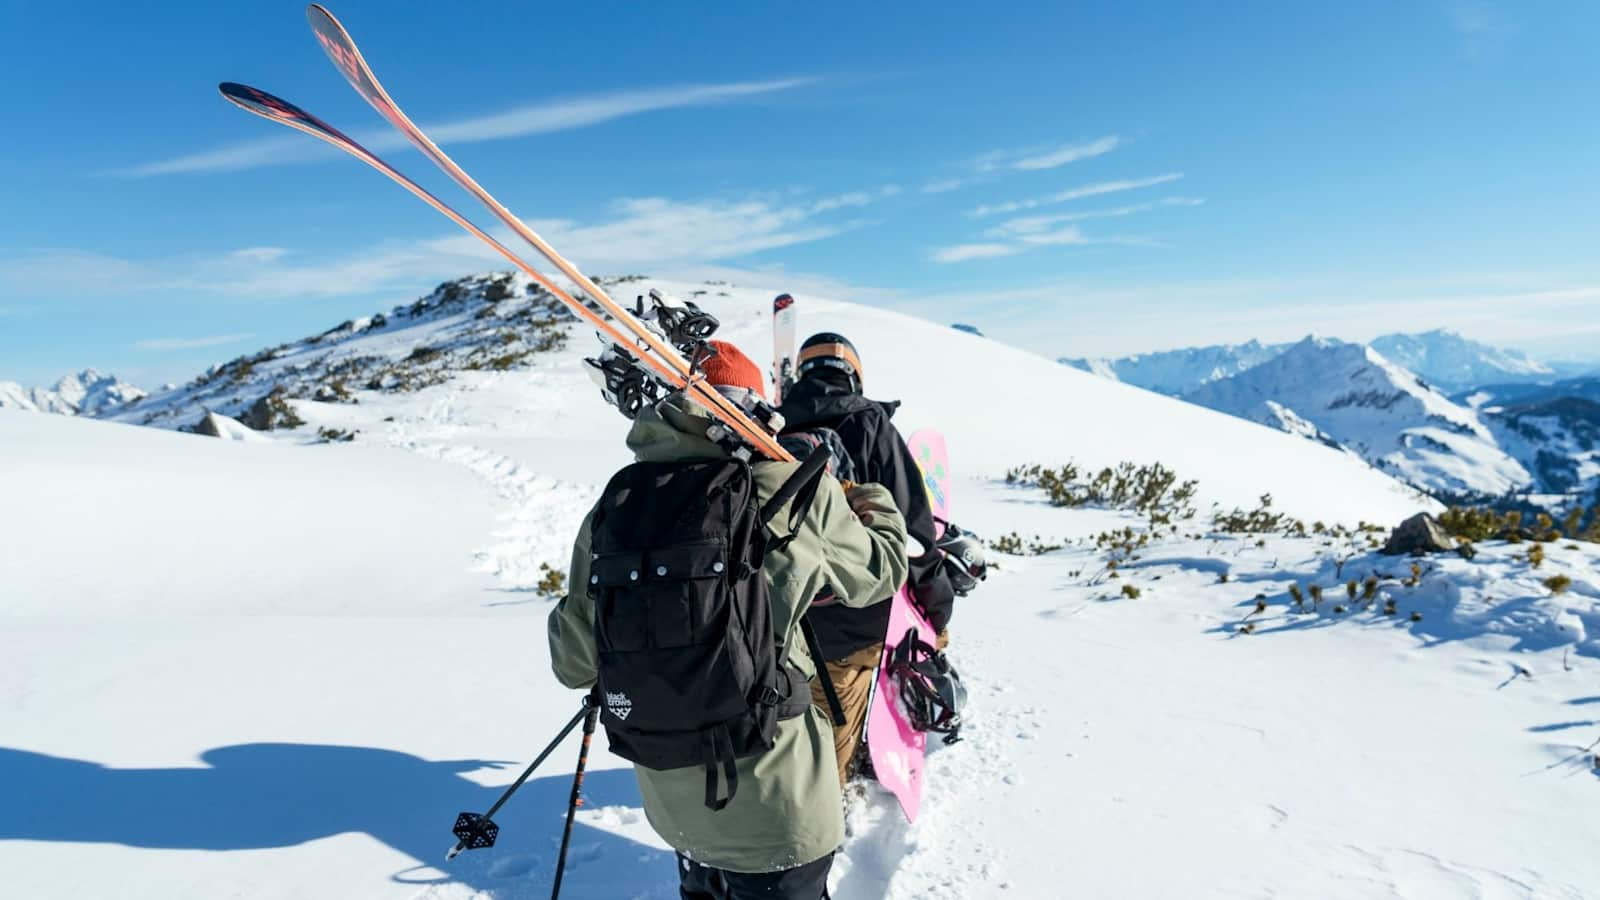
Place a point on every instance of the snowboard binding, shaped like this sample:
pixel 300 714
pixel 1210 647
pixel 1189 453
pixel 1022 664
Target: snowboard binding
pixel 930 689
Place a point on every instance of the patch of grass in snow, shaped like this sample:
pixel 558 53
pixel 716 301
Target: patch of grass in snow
pixel 552 582
pixel 1014 544
pixel 1151 489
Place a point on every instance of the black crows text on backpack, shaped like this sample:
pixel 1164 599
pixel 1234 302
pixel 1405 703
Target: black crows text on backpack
pixel 690 666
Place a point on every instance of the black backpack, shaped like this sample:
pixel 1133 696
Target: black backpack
pixel 689 665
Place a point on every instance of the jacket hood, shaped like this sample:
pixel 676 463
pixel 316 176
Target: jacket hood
pixel 673 430
pixel 816 401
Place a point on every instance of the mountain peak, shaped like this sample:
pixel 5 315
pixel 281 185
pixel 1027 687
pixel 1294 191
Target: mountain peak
pixel 1351 396
pixel 1446 358
pixel 83 393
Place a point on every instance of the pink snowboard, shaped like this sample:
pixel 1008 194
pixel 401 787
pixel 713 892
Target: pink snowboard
pixel 897 749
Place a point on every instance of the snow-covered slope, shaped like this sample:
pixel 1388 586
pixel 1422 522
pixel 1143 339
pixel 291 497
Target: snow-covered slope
pixel 268 670
pixel 1452 362
pixel 1350 396
pixel 86 393
pixel 1180 371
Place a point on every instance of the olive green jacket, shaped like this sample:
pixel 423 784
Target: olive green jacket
pixel 787 811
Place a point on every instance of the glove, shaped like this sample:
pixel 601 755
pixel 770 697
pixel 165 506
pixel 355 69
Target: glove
pixel 964 561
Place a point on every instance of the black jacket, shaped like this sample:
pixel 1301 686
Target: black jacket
pixel 880 456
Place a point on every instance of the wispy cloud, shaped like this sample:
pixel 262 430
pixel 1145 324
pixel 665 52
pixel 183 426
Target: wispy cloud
pixel 260 254
pixel 1026 233
pixel 637 234
pixel 855 199
pixel 964 252
pixel 1035 224
pixel 194 343
pixel 536 118
pixel 1068 154
pixel 1071 235
pixel 996 163
pixel 1078 193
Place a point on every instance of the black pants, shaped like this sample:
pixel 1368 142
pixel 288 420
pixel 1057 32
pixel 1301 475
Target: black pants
pixel 807 882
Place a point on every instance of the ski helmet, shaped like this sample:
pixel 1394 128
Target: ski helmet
pixel 931 691
pixel 829 350
pixel 964 559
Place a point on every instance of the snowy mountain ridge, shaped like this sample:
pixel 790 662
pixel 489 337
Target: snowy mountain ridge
pixel 87 393
pixel 492 322
pixel 1176 372
pixel 1453 362
pixel 1350 396
pixel 1441 357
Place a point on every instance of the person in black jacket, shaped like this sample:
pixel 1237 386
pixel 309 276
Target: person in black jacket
pixel 829 395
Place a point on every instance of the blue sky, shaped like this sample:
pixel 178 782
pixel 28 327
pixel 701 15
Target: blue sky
pixel 1078 179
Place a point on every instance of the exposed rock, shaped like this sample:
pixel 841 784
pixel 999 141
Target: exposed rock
pixel 227 428
pixel 272 412
pixel 1417 535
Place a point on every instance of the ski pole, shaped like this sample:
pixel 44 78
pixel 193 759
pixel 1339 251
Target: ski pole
pixel 593 712
pixel 474 831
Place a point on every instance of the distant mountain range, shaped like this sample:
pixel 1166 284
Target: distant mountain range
pixel 1440 357
pixel 1469 420
pixel 1350 396
pixel 1452 363
pixel 1176 372
pixel 86 393
pixel 1452 416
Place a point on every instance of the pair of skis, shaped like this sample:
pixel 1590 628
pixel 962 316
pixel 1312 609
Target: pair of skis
pixel 615 323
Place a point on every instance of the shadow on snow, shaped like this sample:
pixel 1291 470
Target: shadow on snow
pixel 256 796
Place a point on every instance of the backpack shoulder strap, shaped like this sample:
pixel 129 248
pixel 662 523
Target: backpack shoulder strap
pixel 801 487
pixel 835 708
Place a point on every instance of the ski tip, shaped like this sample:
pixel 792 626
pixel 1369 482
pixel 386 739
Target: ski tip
pixel 258 101
pixel 241 94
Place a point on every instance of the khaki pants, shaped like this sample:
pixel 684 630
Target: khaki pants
pixel 852 680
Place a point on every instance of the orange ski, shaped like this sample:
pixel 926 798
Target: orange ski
pixel 276 109
pixel 346 57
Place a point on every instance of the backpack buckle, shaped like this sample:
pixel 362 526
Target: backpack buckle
pixel 770 696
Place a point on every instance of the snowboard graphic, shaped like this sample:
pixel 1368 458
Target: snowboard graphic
pixel 897 749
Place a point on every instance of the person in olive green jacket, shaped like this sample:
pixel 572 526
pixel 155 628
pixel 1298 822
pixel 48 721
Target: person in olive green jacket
pixel 777 836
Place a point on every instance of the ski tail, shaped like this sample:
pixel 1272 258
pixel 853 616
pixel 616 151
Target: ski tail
pixel 341 49
pixel 783 331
